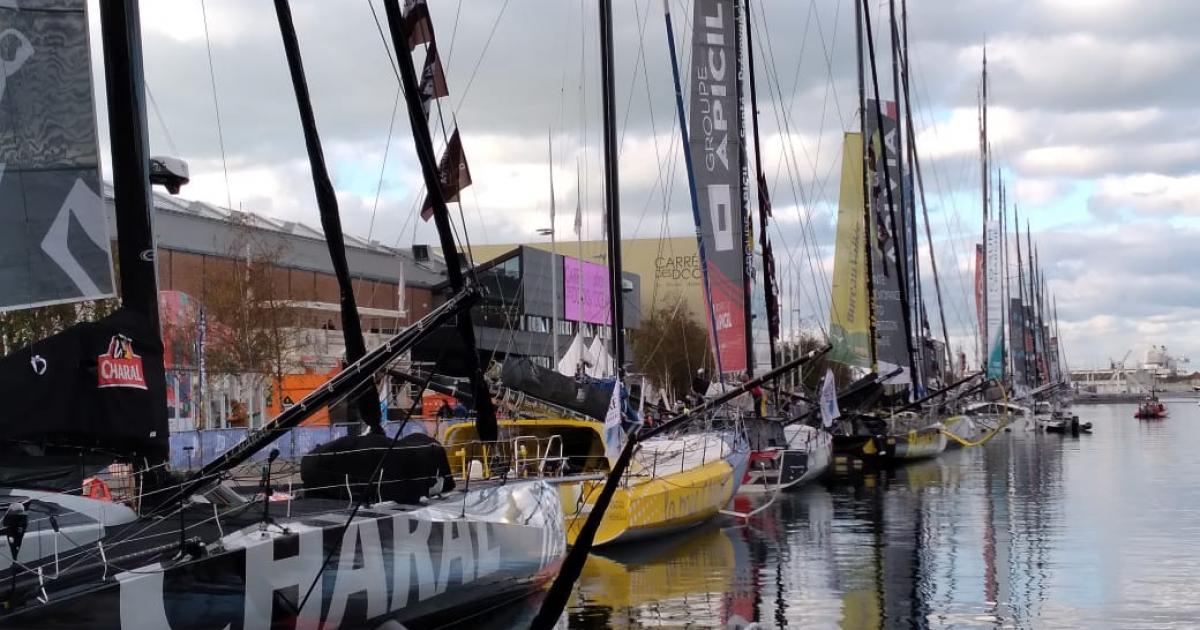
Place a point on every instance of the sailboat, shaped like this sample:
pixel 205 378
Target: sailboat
pixel 674 481
pixel 783 454
pixel 166 550
pixel 871 316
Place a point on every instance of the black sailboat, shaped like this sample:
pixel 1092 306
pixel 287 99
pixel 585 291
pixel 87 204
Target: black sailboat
pixel 875 281
pixel 392 540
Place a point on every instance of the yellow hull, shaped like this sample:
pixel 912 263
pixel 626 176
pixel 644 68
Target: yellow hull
pixel 643 508
pixel 649 502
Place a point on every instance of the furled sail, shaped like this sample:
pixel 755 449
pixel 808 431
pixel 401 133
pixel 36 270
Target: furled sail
pixel 891 338
pixel 54 244
pixel 849 322
pixel 715 132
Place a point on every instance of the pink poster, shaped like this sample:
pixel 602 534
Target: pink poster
pixel 585 292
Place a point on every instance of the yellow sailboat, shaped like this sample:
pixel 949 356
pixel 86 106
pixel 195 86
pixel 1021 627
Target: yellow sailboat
pixel 673 483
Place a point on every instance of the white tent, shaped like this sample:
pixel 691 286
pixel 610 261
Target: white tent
pixel 602 361
pixel 577 352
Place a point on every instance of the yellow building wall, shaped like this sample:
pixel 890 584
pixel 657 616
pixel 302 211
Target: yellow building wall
pixel 669 268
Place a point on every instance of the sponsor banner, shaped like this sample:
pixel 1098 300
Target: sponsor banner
pixel 715 134
pixel 891 339
pixel 1016 338
pixel 980 320
pixel 849 322
pixel 586 292
pixel 119 366
pixel 54 244
pixel 993 287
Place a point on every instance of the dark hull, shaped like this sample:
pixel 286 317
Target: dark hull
pixel 890 449
pixel 411 566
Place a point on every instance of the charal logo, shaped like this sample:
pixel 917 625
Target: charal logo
pixel 119 366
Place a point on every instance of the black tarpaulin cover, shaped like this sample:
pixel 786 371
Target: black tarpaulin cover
pixel 97 385
pixel 584 397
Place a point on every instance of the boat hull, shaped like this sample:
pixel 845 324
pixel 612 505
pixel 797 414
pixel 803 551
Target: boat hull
pixel 808 457
pixel 406 565
pixel 892 448
pixel 663 500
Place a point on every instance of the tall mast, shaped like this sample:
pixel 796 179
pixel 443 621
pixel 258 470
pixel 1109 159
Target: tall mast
pixel 554 288
pixel 983 189
pixel 120 28
pixel 485 411
pixel 1021 300
pixel 862 128
pixel 691 177
pixel 1031 313
pixel 915 161
pixel 612 201
pixel 764 203
pixel 367 402
pixel 1004 306
pixel 907 273
pixel 891 201
pixel 743 197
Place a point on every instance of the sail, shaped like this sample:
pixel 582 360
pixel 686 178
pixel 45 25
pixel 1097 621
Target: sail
pixel 980 317
pixel 995 322
pixel 849 321
pixel 1016 343
pixel 88 389
pixel 715 131
pixel 891 339
pixel 54 244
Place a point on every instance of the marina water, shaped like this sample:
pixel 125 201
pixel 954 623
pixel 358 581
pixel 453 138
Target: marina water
pixel 1028 531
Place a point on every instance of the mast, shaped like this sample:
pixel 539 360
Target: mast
pixel 744 217
pixel 920 184
pixel 612 200
pixel 554 288
pixel 862 127
pixel 1031 312
pixel 764 203
pixel 891 202
pixel 485 411
pixel 120 28
pixel 908 274
pixel 983 188
pixel 1004 306
pixel 331 223
pixel 691 177
pixel 1021 300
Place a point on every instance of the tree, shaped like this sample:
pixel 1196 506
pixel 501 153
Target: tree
pixel 20 328
pixel 250 320
pixel 812 374
pixel 669 346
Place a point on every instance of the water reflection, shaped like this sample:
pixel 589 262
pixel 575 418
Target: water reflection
pixel 1029 531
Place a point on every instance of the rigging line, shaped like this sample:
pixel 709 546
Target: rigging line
pixel 387 49
pixel 828 51
pixel 479 61
pixel 387 145
pixel 816 270
pixel 794 168
pixel 955 238
pixel 161 122
pixel 212 79
pixel 453 35
pixel 641 51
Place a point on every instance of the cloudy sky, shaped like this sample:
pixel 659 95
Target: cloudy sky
pixel 1093 120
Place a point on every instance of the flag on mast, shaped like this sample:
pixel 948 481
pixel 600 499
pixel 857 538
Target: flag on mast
pixel 453 174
